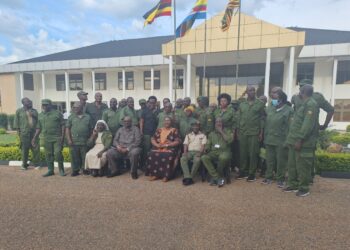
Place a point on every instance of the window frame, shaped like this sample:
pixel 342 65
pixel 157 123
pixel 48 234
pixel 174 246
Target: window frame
pixel 100 79
pixel 305 75
pixel 129 80
pixel 73 83
pixel 180 76
pixel 59 81
pixel 28 82
pixel 343 75
pixel 147 78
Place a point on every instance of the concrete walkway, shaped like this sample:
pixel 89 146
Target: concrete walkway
pixel 119 213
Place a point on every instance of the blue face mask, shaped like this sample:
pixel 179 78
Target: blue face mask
pixel 274 102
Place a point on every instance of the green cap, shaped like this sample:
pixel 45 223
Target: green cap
pixel 142 101
pixel 46 102
pixel 304 82
pixel 195 122
pixel 81 93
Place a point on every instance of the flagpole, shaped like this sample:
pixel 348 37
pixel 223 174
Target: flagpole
pixel 205 53
pixel 174 14
pixel 239 33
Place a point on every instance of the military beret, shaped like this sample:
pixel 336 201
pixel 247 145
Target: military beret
pixel 46 102
pixel 142 101
pixel 82 93
pixel 304 82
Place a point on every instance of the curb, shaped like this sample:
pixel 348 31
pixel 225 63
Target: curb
pixel 19 163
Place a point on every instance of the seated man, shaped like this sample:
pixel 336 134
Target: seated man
pixel 126 144
pixel 218 151
pixel 194 146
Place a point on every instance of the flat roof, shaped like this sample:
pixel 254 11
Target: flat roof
pixel 323 36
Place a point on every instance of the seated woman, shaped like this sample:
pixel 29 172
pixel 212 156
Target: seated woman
pixel 162 159
pixel 101 141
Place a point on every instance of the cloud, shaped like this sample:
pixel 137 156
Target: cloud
pixel 12 3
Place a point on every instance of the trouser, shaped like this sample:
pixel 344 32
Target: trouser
pixel 26 145
pixel 223 160
pixel 235 153
pixel 113 156
pixel 299 168
pixel 146 148
pixel 313 166
pixel 276 158
pixel 249 153
pixel 191 156
pixel 78 154
pixel 53 151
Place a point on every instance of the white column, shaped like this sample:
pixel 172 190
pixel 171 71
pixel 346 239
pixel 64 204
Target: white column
pixel 21 85
pixel 290 73
pixel 43 85
pixel 152 81
pixel 66 81
pixel 334 80
pixel 188 76
pixel 267 72
pixel 184 90
pixel 93 82
pixel 171 78
pixel 124 84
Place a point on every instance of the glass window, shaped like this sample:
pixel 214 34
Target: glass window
pixel 129 80
pixel 60 83
pixel 305 71
pixel 147 79
pixel 28 82
pixel 100 81
pixel 179 83
pixel 342 110
pixel 343 73
pixel 76 81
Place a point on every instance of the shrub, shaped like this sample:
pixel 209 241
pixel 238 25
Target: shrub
pixel 342 139
pixel 348 128
pixel 324 139
pixel 3 120
pixel 10 120
pixel 339 162
pixel 2 131
pixel 14 154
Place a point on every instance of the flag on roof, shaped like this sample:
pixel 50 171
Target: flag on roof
pixel 226 20
pixel 163 8
pixel 199 11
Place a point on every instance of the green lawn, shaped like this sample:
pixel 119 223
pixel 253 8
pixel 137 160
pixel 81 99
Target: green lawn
pixel 8 140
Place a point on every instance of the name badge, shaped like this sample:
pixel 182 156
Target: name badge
pixel 217 146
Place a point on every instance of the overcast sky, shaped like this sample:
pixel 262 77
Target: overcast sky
pixel 31 28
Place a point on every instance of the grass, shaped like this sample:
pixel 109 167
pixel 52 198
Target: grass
pixel 8 140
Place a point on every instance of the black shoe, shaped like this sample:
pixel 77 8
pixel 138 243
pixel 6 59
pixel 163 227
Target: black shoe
pixel 134 175
pixel 241 176
pixel 75 173
pixel 86 172
pixel 302 193
pixel 187 181
pixel 213 182
pixel 94 173
pixel 251 178
pixel 114 174
pixel 290 190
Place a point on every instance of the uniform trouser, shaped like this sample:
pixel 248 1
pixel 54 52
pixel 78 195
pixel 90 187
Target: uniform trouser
pixel 53 151
pixel 223 160
pixel 26 145
pixel 249 153
pixel 235 153
pixel 146 147
pixel 191 156
pixel 113 156
pixel 299 168
pixel 276 158
pixel 78 154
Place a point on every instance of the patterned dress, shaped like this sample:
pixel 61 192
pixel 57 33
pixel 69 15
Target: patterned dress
pixel 161 162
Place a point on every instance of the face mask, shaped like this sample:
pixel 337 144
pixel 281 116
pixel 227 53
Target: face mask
pixel 274 102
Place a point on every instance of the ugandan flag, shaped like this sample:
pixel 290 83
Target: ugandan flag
pixel 226 20
pixel 163 8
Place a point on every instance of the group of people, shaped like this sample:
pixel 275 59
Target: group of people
pixel 218 137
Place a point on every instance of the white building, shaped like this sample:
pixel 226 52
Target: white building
pixel 268 56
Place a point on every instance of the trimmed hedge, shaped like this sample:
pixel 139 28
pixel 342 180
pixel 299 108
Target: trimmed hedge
pixel 325 138
pixel 14 154
pixel 337 162
pixel 348 128
pixel 342 139
pixel 10 121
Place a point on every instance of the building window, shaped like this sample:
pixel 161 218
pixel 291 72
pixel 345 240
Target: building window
pixel 129 80
pixel 28 82
pixel 343 73
pixel 100 81
pixel 147 79
pixel 179 83
pixel 60 83
pixel 342 110
pixel 305 71
pixel 76 81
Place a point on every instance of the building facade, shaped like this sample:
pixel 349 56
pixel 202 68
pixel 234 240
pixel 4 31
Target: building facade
pixel 208 62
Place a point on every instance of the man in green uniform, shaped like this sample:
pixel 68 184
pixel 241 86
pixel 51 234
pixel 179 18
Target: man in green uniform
pixel 96 109
pixel 204 115
pixel 251 124
pixel 122 104
pixel 82 96
pixel 167 112
pixel 143 105
pixel 130 111
pixel 78 130
pixel 51 126
pixel 218 149
pixel 111 116
pixel 186 121
pixel 301 141
pixel 25 122
pixel 322 103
